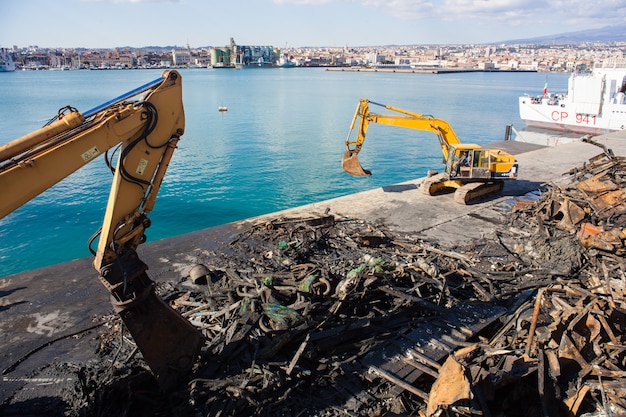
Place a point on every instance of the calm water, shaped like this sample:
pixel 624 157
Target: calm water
pixel 279 145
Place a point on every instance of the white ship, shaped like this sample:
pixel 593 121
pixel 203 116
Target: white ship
pixel 6 61
pixel 285 62
pixel 594 104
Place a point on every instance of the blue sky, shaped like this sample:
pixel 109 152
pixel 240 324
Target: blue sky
pixel 294 23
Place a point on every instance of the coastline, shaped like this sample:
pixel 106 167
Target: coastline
pixel 421 70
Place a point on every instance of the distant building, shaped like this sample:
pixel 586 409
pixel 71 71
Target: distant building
pixel 237 56
pixel 108 59
pixel 487 66
pixel 220 58
pixel 374 58
pixel 181 57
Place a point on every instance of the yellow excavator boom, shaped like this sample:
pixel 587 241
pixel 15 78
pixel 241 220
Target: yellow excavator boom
pixel 363 117
pixel 144 125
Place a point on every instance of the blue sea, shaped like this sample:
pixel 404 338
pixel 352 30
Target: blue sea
pixel 278 146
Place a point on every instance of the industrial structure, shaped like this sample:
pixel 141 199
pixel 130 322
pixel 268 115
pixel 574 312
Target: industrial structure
pixel 239 56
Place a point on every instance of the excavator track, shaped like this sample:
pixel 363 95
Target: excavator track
pixel 465 193
pixel 434 184
pixel 473 191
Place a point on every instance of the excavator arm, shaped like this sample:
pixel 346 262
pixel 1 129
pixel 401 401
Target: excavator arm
pixel 144 125
pixel 363 117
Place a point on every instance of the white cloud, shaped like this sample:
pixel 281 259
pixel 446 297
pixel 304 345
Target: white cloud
pixel 304 2
pixel 132 1
pixel 514 12
pixel 404 9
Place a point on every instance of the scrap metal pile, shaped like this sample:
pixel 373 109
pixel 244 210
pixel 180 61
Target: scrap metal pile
pixel 330 316
pixel 563 351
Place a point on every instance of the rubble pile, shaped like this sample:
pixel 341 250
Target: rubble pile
pixel 331 316
pixel 295 314
pixel 562 352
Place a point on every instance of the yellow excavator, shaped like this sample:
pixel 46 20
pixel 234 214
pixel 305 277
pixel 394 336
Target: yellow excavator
pixel 472 171
pixel 144 126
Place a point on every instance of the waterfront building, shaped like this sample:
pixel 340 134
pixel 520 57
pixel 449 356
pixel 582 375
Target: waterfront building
pixel 539 57
pixel 239 56
pixel 220 57
pixel 181 57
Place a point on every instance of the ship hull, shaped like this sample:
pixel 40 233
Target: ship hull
pixel 562 117
pixel 594 104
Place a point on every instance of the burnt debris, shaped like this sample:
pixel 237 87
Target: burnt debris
pixel 332 316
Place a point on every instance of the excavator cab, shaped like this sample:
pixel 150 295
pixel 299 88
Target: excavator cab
pixel 468 162
pixel 471 162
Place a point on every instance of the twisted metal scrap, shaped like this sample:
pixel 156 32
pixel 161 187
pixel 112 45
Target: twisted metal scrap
pixel 563 353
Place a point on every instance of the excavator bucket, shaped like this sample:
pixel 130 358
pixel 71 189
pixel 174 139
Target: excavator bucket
pixel 169 343
pixel 350 163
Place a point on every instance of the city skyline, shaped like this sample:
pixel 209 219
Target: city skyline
pixel 293 23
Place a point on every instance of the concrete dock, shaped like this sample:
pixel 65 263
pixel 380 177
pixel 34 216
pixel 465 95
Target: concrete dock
pixel 46 315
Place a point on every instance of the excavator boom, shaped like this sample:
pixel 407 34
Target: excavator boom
pixel 403 118
pixel 145 125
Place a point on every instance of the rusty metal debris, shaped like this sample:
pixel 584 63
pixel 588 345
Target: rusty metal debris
pixel 561 352
pixel 331 316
